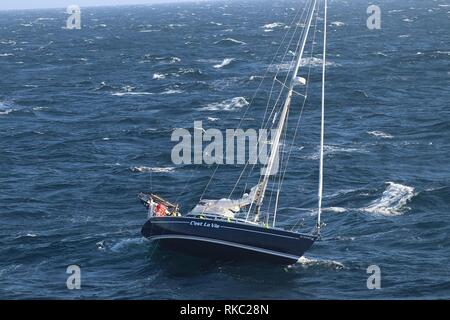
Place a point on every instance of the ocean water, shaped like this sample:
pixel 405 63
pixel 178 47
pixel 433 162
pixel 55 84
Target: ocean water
pixel 86 118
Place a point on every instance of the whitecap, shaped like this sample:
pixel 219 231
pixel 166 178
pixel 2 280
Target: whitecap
pixel 227 105
pixel 212 119
pixel 255 77
pixel 329 150
pixel 337 24
pixel 273 25
pixel 380 134
pixel 6 54
pixel 335 209
pixel 224 63
pixel 314 62
pixel 129 93
pixel 393 200
pixel 173 25
pixel 144 169
pixel 158 76
pixel 172 91
pixel 7 111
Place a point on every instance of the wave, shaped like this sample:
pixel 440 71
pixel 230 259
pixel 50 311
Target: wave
pixel 28 235
pixel 149 30
pixel 313 61
pixel 273 25
pixel 172 91
pixel 230 41
pixel 380 134
pixel 228 105
pixel 6 54
pixel 337 24
pixel 329 150
pixel 7 111
pixel 189 71
pixel 176 25
pixel 166 59
pixel 393 200
pixel 144 169
pixel 224 63
pixel 158 76
pixel 130 93
pixel 335 209
pixel 5 108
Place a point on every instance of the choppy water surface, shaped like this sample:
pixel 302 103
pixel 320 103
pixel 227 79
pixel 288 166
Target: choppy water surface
pixel 85 123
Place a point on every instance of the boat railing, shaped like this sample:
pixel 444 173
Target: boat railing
pixel 221 217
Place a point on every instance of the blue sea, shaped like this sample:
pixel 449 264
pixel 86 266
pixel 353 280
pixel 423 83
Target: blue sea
pixel 86 118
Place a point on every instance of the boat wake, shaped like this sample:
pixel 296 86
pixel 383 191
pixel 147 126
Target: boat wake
pixel 123 244
pixel 305 262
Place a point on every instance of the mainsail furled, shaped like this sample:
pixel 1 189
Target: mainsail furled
pixel 226 207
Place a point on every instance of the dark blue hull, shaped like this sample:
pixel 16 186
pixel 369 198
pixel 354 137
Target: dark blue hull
pixel 227 240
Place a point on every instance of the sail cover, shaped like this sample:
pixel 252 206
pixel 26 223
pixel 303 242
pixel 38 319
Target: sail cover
pixel 226 207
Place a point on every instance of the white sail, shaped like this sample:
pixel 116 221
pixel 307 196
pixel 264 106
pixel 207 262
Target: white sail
pixel 226 207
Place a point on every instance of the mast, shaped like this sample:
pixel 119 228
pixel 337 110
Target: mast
pixel 282 119
pixel 322 126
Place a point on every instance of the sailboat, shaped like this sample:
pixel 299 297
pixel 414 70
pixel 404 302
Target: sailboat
pixel 233 228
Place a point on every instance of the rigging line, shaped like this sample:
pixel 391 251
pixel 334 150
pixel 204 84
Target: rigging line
pixel 210 179
pixel 292 63
pixel 286 105
pixel 303 104
pixel 279 95
pixel 254 95
pixel 282 121
pixel 285 53
pixel 185 185
pixel 322 120
pixel 278 69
